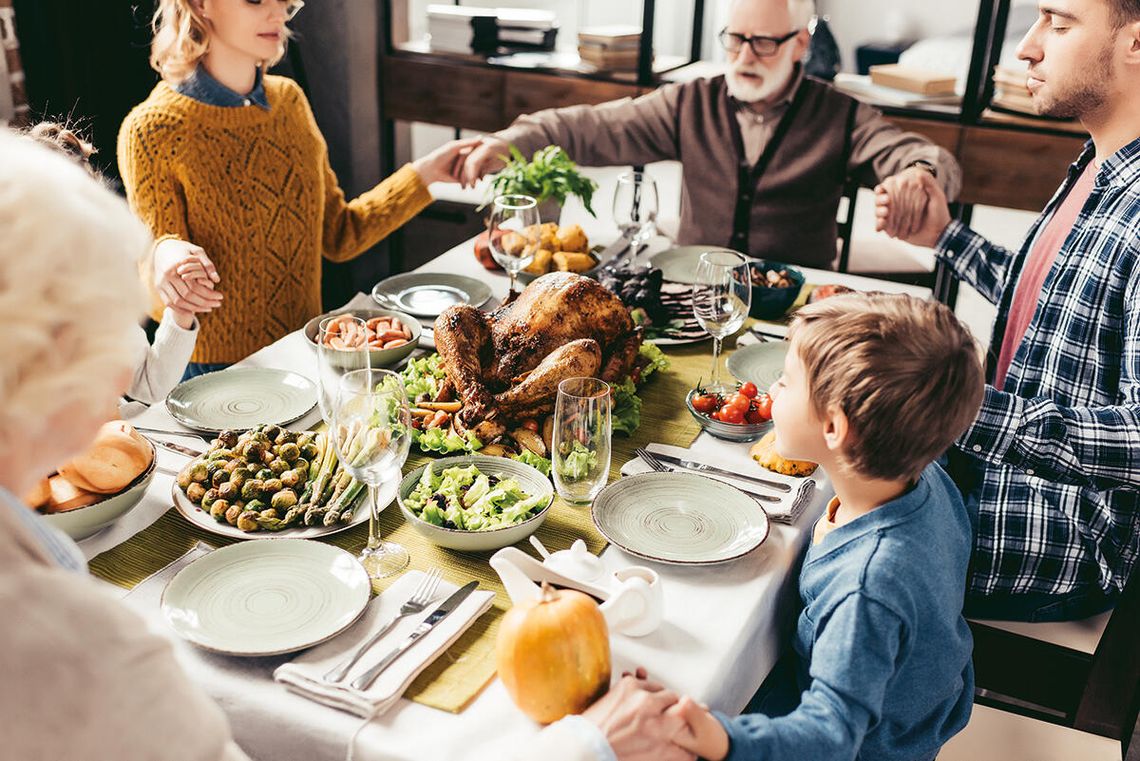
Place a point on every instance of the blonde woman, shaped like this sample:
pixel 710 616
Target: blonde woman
pixel 83 677
pixel 226 166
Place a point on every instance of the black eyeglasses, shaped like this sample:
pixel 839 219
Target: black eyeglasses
pixel 761 45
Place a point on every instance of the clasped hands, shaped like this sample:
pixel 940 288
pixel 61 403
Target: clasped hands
pixel 643 721
pixel 911 206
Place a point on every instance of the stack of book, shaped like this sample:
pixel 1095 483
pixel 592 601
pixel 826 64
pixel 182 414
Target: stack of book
pixel 1010 92
pixel 526 29
pixel 465 29
pixel 462 29
pixel 610 48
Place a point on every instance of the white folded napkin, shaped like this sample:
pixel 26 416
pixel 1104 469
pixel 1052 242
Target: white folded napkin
pixel 303 675
pixel 735 457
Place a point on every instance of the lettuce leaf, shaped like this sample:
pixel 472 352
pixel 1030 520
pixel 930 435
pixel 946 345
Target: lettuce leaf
pixel 444 441
pixel 527 457
pixel 657 359
pixel 625 415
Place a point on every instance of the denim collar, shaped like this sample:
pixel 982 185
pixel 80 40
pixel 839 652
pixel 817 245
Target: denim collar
pixel 205 89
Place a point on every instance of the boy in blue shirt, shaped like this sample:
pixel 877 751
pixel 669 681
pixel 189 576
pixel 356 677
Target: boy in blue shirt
pixel 875 388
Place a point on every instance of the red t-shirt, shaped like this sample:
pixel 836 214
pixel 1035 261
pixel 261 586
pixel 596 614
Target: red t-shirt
pixel 1037 266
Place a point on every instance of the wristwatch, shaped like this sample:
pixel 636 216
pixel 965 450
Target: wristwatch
pixel 924 164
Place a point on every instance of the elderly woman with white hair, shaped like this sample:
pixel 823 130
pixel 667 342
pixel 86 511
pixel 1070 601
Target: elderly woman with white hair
pixel 83 677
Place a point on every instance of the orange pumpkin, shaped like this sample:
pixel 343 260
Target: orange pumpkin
pixel 554 654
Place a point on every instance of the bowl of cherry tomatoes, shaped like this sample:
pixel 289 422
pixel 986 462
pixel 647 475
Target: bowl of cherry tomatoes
pixel 735 413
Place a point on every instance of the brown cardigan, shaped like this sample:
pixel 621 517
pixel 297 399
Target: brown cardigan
pixel 785 212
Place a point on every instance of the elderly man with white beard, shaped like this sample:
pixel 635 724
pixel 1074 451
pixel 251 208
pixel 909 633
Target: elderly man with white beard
pixel 765 151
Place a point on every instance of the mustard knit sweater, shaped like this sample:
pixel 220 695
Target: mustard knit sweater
pixel 255 190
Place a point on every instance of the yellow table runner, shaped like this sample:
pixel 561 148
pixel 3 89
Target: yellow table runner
pixel 457 676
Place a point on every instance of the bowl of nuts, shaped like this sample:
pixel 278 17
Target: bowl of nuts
pixel 775 287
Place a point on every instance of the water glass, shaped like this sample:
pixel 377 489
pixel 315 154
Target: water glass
pixel 635 210
pixel 371 431
pixel 722 296
pixel 333 363
pixel 513 233
pixel 580 455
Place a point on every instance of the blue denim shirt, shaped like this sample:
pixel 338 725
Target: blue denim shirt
pixel 884 651
pixel 58 545
pixel 205 89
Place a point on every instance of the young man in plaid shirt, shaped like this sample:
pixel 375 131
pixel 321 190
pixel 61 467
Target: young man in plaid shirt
pixel 1052 463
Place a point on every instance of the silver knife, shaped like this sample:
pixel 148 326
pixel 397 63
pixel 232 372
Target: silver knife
pixel 363 681
pixel 174 447
pixel 700 467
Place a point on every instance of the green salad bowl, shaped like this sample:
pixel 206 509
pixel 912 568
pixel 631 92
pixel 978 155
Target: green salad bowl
pixel 530 481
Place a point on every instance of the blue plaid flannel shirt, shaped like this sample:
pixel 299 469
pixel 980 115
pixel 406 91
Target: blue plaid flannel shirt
pixel 1059 444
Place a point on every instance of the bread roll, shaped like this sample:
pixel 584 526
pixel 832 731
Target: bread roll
pixel 117 457
pixel 764 452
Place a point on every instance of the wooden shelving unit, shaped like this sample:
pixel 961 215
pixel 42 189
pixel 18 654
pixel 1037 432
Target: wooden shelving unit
pixel 1007 161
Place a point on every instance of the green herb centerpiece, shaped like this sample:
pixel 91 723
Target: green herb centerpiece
pixel 550 175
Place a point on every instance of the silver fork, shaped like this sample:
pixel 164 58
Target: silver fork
pixel 661 467
pixel 419 600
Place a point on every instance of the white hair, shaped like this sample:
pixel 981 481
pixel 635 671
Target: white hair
pixel 800 12
pixel 70 291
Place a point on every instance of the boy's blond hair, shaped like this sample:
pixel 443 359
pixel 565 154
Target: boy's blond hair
pixel 906 373
pixel 181 38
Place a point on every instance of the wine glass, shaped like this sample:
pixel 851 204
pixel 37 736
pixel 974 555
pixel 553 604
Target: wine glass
pixel 635 210
pixel 580 456
pixel 371 431
pixel 513 233
pixel 722 296
pixel 333 362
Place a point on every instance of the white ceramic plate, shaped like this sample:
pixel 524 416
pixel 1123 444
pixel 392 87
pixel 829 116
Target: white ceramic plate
pixel 761 363
pixel 266 598
pixel 201 518
pixel 240 398
pixel 427 294
pixel 680 518
pixel 679 264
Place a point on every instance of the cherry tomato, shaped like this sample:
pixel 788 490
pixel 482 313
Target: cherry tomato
pixel 530 424
pixel 705 403
pixel 715 414
pixel 740 401
pixel 730 414
pixel 749 389
pixel 753 415
pixel 763 405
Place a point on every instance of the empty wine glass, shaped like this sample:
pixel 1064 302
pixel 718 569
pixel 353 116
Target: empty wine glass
pixel 722 296
pixel 371 431
pixel 580 456
pixel 333 362
pixel 635 211
pixel 513 233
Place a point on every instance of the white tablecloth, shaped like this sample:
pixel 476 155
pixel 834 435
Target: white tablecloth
pixel 723 629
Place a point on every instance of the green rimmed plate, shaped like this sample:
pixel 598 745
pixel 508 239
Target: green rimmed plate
pixel 680 518
pixel 240 398
pixel 679 264
pixel 266 598
pixel 761 363
pixel 427 294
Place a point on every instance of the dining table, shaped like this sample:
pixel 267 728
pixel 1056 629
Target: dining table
pixel 724 625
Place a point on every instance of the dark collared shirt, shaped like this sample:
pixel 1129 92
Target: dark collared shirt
pixel 205 89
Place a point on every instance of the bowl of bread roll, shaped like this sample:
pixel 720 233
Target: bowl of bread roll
pixel 100 486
